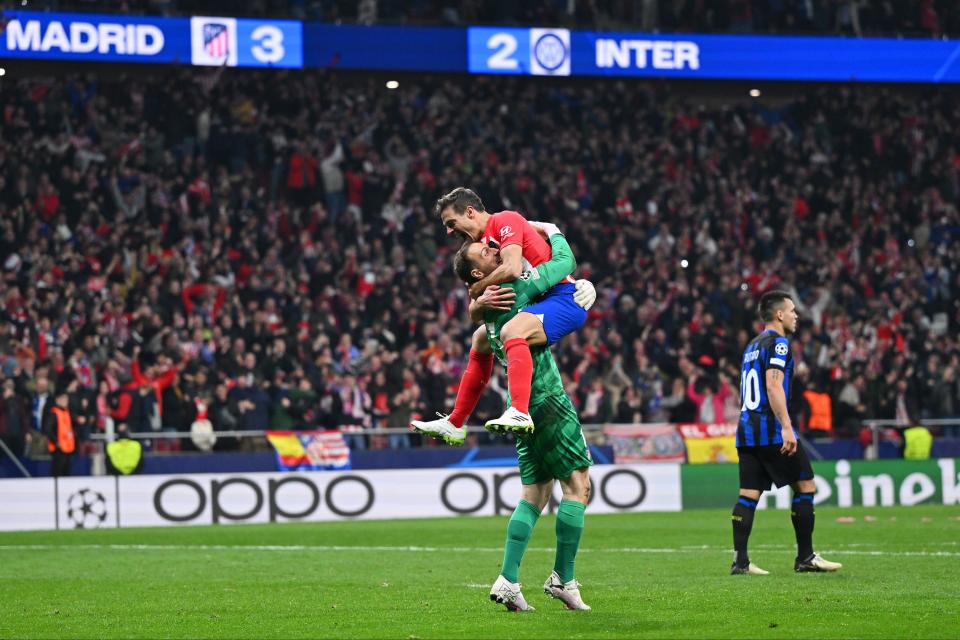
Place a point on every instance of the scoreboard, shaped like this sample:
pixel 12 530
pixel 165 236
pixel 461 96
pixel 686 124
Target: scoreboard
pixel 241 42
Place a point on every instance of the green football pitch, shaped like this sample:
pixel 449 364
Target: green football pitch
pixel 645 575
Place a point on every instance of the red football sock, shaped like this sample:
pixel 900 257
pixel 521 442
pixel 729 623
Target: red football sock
pixel 474 381
pixel 519 373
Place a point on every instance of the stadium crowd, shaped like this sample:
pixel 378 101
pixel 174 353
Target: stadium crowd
pixel 869 18
pixel 260 248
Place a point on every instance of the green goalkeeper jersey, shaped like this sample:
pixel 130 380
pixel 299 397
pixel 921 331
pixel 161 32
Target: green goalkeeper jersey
pixel 546 380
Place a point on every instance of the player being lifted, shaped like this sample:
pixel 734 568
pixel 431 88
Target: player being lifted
pixel 767 445
pixel 556 450
pixel 560 311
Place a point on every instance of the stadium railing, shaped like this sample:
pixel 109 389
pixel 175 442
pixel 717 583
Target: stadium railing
pixel 150 435
pixel 590 429
pixel 876 425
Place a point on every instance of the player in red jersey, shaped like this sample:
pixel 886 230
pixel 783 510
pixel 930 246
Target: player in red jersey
pixel 560 311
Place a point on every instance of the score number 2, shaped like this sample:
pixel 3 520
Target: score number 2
pixel 504 45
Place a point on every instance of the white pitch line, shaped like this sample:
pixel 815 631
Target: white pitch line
pixel 418 549
pixel 839 551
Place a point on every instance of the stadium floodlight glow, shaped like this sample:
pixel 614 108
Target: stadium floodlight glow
pixel 754 93
pixel 393 84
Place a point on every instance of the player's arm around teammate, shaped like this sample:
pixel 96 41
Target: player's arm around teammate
pixel 553 316
pixel 558 313
pixel 562 318
pixel 509 269
pixel 556 451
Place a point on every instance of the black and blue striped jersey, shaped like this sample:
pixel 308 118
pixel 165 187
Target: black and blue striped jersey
pixel 758 425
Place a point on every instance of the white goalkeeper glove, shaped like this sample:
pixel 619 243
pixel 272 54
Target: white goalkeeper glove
pixel 547 227
pixel 585 295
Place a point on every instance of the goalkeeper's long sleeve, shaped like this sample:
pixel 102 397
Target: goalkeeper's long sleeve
pixel 550 273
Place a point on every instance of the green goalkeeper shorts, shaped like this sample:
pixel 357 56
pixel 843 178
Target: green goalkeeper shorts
pixel 556 448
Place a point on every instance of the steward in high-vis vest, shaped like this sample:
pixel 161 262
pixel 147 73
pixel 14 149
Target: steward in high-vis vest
pixel 61 438
pixel 821 412
pixel 917 443
pixel 124 456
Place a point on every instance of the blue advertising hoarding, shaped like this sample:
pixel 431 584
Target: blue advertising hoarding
pixel 219 41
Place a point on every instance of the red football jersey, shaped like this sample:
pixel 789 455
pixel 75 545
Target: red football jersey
pixel 509 227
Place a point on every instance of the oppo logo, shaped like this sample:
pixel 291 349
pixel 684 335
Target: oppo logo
pixel 235 499
pixel 469 493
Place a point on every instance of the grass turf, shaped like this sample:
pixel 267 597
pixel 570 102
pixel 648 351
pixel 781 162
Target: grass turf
pixel 646 575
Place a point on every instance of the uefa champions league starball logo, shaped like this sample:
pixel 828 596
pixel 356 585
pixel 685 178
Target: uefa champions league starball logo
pixel 550 51
pixel 87 509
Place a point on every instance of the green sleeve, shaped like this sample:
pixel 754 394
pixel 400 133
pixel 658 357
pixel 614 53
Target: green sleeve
pixel 550 273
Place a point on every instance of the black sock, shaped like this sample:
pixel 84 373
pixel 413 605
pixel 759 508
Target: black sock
pixel 742 524
pixel 801 514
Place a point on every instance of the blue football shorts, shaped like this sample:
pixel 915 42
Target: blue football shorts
pixel 558 312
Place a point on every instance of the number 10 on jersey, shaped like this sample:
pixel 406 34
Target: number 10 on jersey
pixel 750 390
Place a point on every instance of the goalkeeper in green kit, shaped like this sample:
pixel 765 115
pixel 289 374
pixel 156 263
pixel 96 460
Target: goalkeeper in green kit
pixel 555 450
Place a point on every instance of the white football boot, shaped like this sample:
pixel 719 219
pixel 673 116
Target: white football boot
pixel 442 429
pixel 566 592
pixel 749 570
pixel 508 594
pixel 815 564
pixel 511 420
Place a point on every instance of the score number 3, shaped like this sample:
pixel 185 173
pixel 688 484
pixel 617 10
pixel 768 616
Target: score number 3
pixel 268 44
